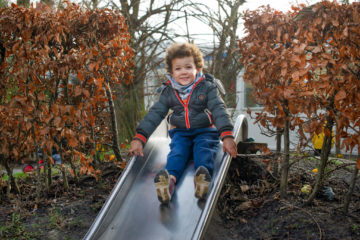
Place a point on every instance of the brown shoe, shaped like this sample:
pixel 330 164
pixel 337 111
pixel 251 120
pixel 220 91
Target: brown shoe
pixel 202 180
pixel 164 185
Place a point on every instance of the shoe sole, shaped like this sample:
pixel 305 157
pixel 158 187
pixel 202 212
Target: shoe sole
pixel 202 186
pixel 162 188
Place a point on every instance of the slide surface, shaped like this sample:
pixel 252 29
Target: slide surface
pixel 133 211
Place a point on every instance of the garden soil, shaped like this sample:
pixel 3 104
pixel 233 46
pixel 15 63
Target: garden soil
pixel 249 206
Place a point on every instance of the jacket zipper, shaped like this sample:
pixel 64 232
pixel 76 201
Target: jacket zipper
pixel 209 116
pixel 185 105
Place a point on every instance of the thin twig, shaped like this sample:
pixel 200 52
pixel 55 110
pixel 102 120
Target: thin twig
pixel 303 210
pixel 254 155
pixel 339 167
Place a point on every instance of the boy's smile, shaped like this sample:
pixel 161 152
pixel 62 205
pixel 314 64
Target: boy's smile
pixel 184 70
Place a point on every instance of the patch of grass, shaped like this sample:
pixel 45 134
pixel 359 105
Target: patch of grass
pixel 312 158
pixel 102 184
pixel 96 206
pixel 294 226
pixel 355 229
pixel 35 225
pixel 16 230
pixel 272 227
pixel 335 162
pixel 75 223
pixel 308 233
pixel 55 219
pixel 54 170
pixel 16 175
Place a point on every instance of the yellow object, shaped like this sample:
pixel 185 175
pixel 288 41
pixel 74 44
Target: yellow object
pixel 306 189
pixel 340 155
pixel 112 157
pixel 318 140
pixel 315 170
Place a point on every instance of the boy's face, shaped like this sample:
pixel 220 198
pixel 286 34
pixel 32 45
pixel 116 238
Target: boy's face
pixel 184 70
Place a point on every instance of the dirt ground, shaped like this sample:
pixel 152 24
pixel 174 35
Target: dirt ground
pixel 249 207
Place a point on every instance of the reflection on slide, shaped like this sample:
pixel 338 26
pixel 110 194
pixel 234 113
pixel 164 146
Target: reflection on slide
pixel 133 211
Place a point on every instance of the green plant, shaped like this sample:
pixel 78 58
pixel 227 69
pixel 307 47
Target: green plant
pixel 35 225
pixel 96 206
pixel 308 233
pixel 16 230
pixel 272 226
pixel 16 175
pixel 55 219
pixel 75 223
pixel 356 229
pixel 296 225
pixel 312 159
pixel 335 162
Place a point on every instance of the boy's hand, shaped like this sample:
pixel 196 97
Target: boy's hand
pixel 136 148
pixel 229 146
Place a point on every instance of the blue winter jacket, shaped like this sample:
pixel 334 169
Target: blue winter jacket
pixel 204 108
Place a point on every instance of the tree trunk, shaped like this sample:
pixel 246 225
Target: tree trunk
pixel 114 132
pixel 46 172
pixel 325 151
pixel 352 186
pixel 279 133
pixel 38 176
pixel 37 159
pixel 285 161
pixel 96 159
pixel 351 190
pixel 12 181
pixel 337 143
pixel 63 170
pixel 73 167
pixel 129 109
pixel 49 174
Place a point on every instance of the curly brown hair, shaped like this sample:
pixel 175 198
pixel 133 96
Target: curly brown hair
pixel 180 50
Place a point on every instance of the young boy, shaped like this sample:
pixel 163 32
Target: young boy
pixel 197 109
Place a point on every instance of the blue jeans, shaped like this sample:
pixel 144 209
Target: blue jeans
pixel 201 144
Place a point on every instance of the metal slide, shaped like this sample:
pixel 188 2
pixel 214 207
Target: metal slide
pixel 133 211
